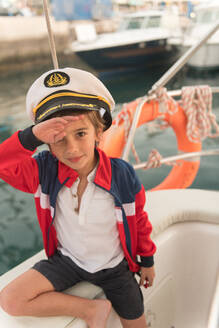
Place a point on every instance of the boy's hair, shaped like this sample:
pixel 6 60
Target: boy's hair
pixel 94 117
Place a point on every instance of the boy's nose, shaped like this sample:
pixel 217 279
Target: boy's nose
pixel 71 147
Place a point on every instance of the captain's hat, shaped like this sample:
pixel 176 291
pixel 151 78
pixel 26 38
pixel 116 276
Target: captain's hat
pixel 68 88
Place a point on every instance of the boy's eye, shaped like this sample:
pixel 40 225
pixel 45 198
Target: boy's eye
pixel 81 134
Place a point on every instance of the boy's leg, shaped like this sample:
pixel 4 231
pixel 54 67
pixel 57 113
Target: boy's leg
pixel 122 289
pixel 32 294
pixel 136 323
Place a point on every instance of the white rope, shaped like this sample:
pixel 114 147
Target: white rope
pixel 154 156
pixel 50 35
pixel 124 115
pixel 197 104
pixel 166 103
pixel 154 160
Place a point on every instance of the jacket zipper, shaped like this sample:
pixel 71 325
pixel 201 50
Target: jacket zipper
pixel 53 218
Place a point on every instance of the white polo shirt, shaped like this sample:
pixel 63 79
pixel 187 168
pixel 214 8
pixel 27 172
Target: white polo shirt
pixel 90 238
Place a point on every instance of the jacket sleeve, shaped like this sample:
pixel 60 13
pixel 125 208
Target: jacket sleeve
pixel 17 167
pixel 145 246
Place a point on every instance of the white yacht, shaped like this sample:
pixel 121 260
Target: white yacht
pixel 140 40
pixel 206 15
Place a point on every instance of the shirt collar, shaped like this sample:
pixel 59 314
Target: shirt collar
pixel 92 174
pixel 101 174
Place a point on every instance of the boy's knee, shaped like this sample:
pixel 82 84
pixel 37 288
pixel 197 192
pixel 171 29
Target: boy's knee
pixel 10 303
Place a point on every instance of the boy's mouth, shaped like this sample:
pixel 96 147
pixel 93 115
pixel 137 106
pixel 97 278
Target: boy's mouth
pixel 74 159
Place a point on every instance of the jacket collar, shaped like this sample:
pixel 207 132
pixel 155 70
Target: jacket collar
pixel 102 177
pixel 104 171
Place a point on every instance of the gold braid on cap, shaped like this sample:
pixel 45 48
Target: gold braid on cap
pixel 69 94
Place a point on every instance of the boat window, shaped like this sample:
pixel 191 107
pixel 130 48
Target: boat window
pixel 153 21
pixel 131 23
pixel 205 17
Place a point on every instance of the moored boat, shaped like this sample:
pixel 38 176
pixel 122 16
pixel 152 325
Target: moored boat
pixel 140 41
pixel 206 15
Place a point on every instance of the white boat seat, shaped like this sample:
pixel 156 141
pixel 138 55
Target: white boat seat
pixel 83 289
pixel 167 207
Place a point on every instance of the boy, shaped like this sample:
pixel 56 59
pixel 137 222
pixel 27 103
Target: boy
pixel 90 207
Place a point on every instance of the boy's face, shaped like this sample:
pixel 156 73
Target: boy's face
pixel 76 149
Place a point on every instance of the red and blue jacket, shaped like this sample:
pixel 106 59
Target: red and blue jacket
pixel 44 175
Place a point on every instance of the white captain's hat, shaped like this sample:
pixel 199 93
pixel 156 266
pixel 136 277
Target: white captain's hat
pixel 68 88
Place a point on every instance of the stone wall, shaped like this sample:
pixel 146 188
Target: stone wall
pixel 25 39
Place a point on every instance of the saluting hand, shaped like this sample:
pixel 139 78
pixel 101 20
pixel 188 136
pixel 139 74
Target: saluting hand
pixel 53 130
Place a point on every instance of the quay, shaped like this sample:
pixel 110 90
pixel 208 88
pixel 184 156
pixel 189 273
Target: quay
pixel 24 40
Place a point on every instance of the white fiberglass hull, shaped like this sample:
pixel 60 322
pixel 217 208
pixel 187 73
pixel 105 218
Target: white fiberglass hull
pixel 186 267
pixel 186 232
pixel 207 57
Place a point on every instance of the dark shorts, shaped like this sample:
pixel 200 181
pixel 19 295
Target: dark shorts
pixel 118 283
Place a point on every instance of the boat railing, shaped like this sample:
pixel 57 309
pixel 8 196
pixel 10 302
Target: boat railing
pixel 152 94
pixel 169 159
pixel 185 156
pixel 166 77
pixel 132 131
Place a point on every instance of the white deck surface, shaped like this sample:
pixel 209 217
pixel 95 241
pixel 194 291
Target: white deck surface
pixel 186 232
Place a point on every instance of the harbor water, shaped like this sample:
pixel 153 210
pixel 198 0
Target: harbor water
pixel 20 236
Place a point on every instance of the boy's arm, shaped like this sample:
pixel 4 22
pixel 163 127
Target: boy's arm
pixel 146 248
pixel 147 276
pixel 17 167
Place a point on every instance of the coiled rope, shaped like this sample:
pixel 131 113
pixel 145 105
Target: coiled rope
pixel 124 115
pixel 166 103
pixel 197 104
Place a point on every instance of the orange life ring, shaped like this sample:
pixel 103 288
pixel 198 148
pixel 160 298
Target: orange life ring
pixel 180 176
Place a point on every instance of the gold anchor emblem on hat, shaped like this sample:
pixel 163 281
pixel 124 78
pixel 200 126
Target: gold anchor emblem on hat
pixel 56 79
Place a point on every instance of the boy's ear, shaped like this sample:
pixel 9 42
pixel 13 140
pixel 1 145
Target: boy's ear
pixel 99 135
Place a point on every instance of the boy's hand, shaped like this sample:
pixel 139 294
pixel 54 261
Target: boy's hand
pixel 147 276
pixel 53 129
